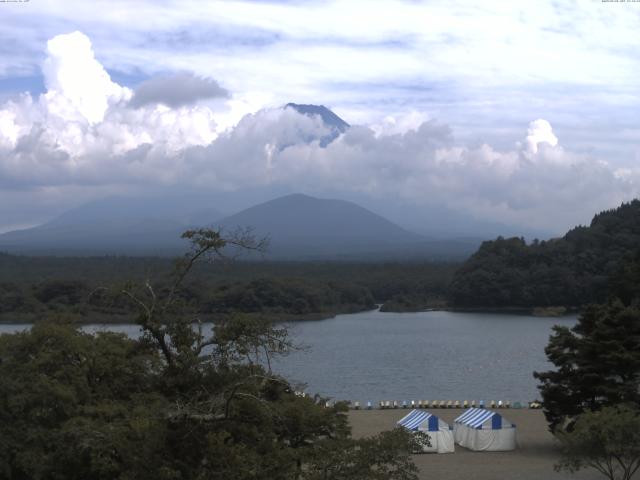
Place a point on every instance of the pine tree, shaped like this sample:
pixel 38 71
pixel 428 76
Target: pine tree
pixel 598 363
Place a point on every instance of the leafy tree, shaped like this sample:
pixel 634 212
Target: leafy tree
pixel 607 440
pixel 597 363
pixel 179 403
pixel 11 297
pixel 379 458
pixel 74 405
pixel 61 291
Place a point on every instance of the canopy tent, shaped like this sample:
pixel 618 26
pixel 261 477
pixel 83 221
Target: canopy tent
pixel 486 430
pixel 439 433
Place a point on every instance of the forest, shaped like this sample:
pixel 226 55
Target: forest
pixel 571 271
pixel 178 403
pixel 507 273
pixel 91 288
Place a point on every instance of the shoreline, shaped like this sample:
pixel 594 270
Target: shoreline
pixel 121 319
pixel 128 319
pixel 525 311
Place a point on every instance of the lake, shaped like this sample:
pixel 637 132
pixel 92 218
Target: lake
pixel 425 355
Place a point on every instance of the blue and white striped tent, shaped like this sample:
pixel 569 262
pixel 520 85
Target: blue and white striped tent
pixel 439 434
pixel 487 430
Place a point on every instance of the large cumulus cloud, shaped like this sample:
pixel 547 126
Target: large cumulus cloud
pixel 83 125
pixel 88 130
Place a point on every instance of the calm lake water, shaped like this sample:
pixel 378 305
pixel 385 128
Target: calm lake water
pixel 426 355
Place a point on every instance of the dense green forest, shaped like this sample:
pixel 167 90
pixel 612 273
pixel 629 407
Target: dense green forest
pixel 90 287
pixel 570 271
pixel 176 403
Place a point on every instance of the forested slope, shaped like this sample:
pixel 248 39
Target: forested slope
pixel 568 271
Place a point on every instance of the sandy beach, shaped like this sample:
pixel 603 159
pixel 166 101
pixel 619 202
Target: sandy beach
pixel 533 460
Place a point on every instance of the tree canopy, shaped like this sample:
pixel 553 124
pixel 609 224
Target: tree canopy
pixel 597 361
pixel 178 403
pixel 34 287
pixel 570 271
pixel 607 440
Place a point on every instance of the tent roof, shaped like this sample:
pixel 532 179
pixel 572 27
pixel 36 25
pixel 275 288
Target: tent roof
pixel 415 418
pixel 475 417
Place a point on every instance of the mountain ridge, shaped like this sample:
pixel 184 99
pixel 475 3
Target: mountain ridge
pixel 301 227
pixel 304 226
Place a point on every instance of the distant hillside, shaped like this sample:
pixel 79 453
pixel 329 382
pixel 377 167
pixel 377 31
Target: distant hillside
pixel 300 225
pixel 569 271
pixel 300 228
pixel 304 227
pixel 116 225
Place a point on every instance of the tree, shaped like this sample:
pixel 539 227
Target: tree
pixel 379 458
pixel 625 283
pixel 597 363
pixel 179 403
pixel 607 440
pixel 74 405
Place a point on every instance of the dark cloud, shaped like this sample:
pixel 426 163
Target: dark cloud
pixel 176 90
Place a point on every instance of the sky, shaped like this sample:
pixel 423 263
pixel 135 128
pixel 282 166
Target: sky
pixel 521 113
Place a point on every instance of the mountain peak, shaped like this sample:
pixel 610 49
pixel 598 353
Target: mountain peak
pixel 328 117
pixel 296 197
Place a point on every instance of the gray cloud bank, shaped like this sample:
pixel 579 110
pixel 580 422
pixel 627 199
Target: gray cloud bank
pixel 176 90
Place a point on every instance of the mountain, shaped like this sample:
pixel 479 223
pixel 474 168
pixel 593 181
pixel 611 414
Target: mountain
pixel 569 271
pixel 304 227
pixel 332 121
pixel 328 117
pixel 115 225
pixel 300 227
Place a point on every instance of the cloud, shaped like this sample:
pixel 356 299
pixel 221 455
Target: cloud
pixel 494 67
pixel 540 131
pixel 176 90
pixel 78 86
pixel 549 188
pixel 84 115
pixel 84 133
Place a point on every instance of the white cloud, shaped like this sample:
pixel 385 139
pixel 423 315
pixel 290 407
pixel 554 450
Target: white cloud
pixel 78 86
pixel 8 126
pixel 85 115
pixel 394 124
pixel 540 131
pixel 83 132
pixel 483 69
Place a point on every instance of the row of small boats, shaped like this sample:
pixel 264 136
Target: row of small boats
pixel 390 404
pixel 413 404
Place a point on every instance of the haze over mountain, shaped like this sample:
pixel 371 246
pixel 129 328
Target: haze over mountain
pixel 303 226
pixel 299 227
pixel 115 225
